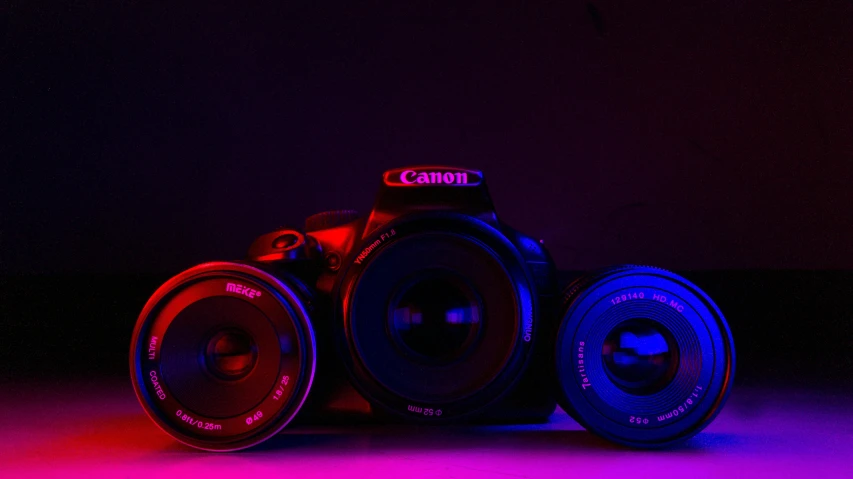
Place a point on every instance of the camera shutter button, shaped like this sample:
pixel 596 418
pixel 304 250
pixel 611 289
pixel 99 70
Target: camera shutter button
pixel 329 219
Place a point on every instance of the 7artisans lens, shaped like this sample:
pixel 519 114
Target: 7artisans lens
pixel 643 356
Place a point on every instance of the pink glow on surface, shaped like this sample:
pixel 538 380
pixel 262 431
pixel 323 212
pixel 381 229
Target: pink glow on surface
pixel 98 430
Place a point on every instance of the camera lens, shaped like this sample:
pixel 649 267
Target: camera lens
pixel 644 357
pixel 436 315
pixel 223 355
pixel 640 356
pixel 436 318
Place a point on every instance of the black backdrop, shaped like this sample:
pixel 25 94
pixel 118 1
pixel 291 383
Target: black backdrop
pixel 141 138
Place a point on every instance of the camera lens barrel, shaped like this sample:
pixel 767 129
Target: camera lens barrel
pixel 435 314
pixel 223 355
pixel 643 356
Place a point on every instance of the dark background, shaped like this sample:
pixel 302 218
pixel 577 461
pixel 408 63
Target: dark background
pixel 713 138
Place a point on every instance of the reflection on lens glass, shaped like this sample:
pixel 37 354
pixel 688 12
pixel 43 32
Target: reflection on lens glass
pixel 231 354
pixel 640 356
pixel 437 318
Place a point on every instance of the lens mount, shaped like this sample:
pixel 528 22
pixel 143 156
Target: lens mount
pixel 643 356
pixel 223 355
pixel 435 316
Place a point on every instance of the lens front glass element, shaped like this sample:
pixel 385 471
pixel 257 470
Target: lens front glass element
pixel 231 354
pixel 437 318
pixel 640 356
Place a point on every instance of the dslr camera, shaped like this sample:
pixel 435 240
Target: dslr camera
pixel 429 309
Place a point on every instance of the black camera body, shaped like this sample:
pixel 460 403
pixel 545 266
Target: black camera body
pixel 337 254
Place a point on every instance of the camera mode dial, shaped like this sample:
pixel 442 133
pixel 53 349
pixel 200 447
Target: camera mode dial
pixel 281 245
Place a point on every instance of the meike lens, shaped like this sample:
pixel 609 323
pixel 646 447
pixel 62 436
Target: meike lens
pixel 643 356
pixel 223 355
pixel 435 316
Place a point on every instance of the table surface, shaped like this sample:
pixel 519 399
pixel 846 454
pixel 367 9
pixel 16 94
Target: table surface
pixel 95 428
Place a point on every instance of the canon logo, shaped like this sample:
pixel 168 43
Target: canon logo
pixel 244 290
pixel 409 177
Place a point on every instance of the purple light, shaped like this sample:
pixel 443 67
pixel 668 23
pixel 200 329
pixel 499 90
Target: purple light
pixel 80 429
